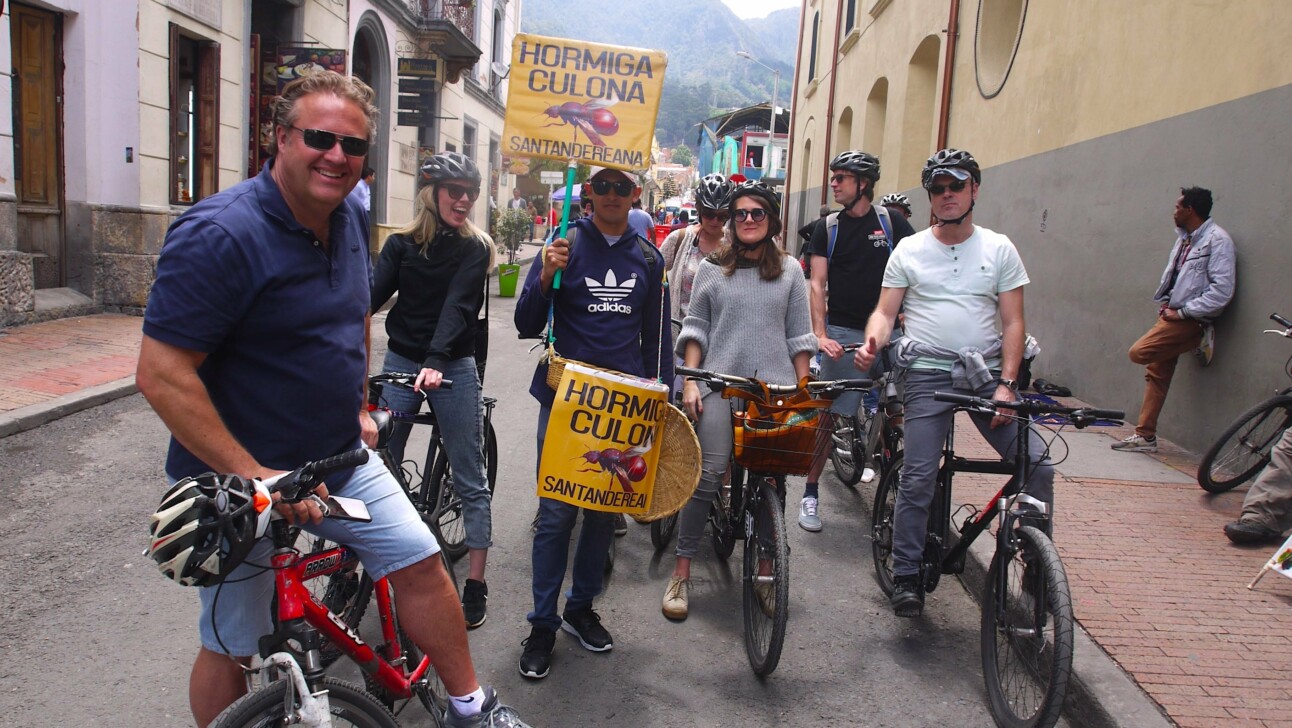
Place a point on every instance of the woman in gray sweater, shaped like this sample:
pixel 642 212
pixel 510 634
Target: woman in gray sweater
pixel 748 316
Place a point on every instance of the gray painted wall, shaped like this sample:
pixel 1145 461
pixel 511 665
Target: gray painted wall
pixel 1093 224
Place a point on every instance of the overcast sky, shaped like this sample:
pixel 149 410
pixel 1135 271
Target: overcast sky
pixel 758 8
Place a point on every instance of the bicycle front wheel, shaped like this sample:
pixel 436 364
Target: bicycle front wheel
pixel 766 583
pixel 662 530
pixel 266 708
pixel 881 525
pixel 446 517
pixel 1027 627
pixel 1244 448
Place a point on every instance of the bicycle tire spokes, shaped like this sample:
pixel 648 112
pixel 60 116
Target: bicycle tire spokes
pixel 765 582
pixel 1027 632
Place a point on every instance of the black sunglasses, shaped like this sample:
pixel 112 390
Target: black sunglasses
pixel 840 178
pixel 721 215
pixel 623 187
pixel 456 191
pixel 325 140
pixel 957 186
pixel 757 214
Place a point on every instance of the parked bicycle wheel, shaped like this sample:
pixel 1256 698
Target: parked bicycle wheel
pixel 766 597
pixel 881 527
pixel 1027 633
pixel 662 531
pixel 1243 450
pixel 848 445
pixel 267 708
pixel 445 517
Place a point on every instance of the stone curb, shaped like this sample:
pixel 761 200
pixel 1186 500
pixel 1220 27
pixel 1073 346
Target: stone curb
pixel 1100 694
pixel 33 416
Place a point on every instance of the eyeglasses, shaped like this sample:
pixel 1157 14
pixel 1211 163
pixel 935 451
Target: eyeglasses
pixel 757 214
pixel 623 187
pixel 839 178
pixel 456 191
pixel 957 186
pixel 720 215
pixel 325 140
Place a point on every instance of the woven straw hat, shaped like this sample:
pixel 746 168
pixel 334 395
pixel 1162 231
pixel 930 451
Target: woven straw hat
pixel 678 471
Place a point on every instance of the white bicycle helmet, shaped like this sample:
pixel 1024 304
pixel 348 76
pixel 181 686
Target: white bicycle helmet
pixel 897 200
pixel 205 527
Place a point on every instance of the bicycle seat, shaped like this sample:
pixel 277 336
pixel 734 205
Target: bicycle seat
pixel 385 426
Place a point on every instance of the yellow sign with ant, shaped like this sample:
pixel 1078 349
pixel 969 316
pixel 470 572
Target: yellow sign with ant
pixel 570 99
pixel 599 451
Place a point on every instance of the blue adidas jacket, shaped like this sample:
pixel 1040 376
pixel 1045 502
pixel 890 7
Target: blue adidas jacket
pixel 608 311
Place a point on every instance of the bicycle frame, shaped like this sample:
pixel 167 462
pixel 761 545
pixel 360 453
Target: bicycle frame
pixel 301 617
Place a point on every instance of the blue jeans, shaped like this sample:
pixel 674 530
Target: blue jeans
pixel 927 424
pixel 460 415
pixel 551 552
pixel 844 368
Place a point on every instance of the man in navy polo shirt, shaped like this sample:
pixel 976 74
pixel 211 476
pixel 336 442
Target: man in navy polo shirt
pixel 606 313
pixel 255 356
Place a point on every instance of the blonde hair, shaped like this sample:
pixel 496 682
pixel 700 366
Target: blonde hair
pixel 426 223
pixel 323 82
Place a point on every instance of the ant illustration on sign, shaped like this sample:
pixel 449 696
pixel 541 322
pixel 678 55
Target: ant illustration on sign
pixel 624 466
pixel 594 118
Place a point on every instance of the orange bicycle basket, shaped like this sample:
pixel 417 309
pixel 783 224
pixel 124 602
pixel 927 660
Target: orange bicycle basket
pixel 777 433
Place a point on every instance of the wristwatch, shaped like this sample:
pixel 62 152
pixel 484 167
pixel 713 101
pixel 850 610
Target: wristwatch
pixel 1011 383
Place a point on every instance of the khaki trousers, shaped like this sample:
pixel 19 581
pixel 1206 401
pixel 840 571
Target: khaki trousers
pixel 1269 500
pixel 1159 350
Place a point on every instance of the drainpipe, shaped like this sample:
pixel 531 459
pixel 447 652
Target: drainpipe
pixel 948 69
pixel 789 140
pixel 829 111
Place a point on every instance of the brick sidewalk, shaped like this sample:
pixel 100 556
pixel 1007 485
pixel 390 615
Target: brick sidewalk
pixel 1158 586
pixel 43 361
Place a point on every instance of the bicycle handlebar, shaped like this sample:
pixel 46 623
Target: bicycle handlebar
pixel 301 482
pixel 718 381
pixel 1080 416
pixel 1282 321
pixel 404 379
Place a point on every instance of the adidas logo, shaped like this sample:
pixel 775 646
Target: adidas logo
pixel 611 291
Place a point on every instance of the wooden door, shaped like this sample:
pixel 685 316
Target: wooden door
pixel 37 67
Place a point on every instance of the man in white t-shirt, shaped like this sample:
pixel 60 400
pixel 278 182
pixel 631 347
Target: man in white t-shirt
pixel 953 280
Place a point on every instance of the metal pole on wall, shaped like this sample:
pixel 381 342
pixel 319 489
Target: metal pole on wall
pixel 771 129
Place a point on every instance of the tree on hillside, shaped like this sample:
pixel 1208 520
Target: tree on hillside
pixel 682 155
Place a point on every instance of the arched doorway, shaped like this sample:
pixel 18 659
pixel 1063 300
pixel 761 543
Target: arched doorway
pixel 370 61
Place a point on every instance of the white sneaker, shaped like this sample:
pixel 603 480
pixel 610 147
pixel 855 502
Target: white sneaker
pixel 675 598
pixel 867 475
pixel 1136 443
pixel 808 517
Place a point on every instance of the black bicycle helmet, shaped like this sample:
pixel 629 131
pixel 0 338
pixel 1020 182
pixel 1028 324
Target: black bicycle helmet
pixel 756 189
pixel 204 528
pixel 950 159
pixel 449 165
pixel 859 163
pixel 713 192
pixel 897 200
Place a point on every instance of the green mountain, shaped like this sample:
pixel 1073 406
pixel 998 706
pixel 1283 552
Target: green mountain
pixel 701 37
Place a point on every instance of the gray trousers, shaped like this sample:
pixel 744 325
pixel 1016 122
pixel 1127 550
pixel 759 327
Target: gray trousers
pixel 1269 500
pixel 927 424
pixel 714 433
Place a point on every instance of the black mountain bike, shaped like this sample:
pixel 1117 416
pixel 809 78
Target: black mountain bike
pixel 430 484
pixel 1027 620
pixel 867 438
pixel 753 508
pixel 1243 449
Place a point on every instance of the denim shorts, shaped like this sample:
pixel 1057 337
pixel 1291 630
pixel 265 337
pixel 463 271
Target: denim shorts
pixel 237 612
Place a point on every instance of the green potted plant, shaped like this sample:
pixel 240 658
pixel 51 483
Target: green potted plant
pixel 513 226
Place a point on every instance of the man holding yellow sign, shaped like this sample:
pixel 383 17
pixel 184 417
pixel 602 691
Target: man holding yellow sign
pixel 607 313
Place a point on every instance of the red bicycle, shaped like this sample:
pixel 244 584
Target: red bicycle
pixel 294 689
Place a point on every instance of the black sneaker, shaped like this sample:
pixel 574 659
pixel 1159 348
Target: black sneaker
pixel 586 625
pixel 908 597
pixel 1249 532
pixel 536 660
pixel 475 595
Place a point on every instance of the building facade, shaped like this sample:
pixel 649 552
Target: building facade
pixel 127 113
pixel 1088 119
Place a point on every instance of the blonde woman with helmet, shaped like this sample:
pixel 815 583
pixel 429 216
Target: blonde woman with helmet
pixel 438 264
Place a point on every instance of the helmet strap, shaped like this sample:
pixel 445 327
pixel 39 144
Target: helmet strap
pixel 958 220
